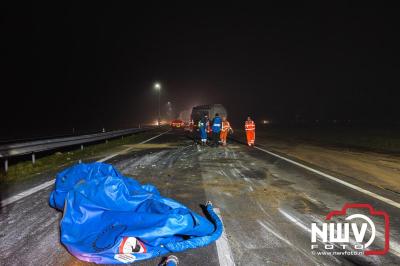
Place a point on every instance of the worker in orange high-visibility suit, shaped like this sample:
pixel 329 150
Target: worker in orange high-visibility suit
pixel 250 128
pixel 226 128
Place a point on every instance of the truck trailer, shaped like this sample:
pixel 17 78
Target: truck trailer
pixel 208 109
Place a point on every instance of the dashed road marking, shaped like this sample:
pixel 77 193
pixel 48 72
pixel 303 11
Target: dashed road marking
pixel 288 242
pixel 294 220
pixel 247 180
pixel 274 233
pixel 46 184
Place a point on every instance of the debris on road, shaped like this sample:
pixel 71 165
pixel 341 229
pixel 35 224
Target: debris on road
pixel 109 218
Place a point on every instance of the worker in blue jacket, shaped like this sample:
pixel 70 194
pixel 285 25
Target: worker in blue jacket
pixel 216 130
pixel 203 123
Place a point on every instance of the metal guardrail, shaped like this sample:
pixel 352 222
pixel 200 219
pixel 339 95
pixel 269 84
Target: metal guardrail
pixel 32 147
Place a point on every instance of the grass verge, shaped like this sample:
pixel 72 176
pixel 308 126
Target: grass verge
pixel 23 169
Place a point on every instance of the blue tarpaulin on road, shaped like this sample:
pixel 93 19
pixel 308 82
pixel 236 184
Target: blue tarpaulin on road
pixel 109 218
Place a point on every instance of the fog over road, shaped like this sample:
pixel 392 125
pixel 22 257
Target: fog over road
pixel 267 206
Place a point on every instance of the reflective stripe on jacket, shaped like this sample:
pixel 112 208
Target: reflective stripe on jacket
pixel 249 125
pixel 216 127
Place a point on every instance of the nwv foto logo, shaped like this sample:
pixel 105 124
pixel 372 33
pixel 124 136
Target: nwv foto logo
pixel 350 234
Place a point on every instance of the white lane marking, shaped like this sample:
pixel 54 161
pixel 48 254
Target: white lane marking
pixel 228 194
pixel 251 188
pixel 262 208
pixel 44 185
pixel 223 249
pixel 246 168
pixel 26 193
pixel 113 155
pixel 130 148
pixel 289 243
pixel 275 233
pixel 234 173
pixel 247 180
pixel 294 220
pixel 242 175
pixel 243 166
pixel 347 184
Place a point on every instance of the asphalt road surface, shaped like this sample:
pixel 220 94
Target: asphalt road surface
pixel 267 205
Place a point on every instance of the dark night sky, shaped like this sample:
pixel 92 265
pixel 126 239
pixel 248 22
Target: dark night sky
pixel 89 66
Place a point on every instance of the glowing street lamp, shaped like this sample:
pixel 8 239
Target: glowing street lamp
pixel 157 87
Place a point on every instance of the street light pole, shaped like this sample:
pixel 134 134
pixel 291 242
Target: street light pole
pixel 157 86
pixel 159 113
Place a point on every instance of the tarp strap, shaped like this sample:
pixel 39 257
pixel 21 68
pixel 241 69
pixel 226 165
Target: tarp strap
pixel 201 241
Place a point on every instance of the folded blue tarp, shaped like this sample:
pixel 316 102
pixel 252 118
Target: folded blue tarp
pixel 109 218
